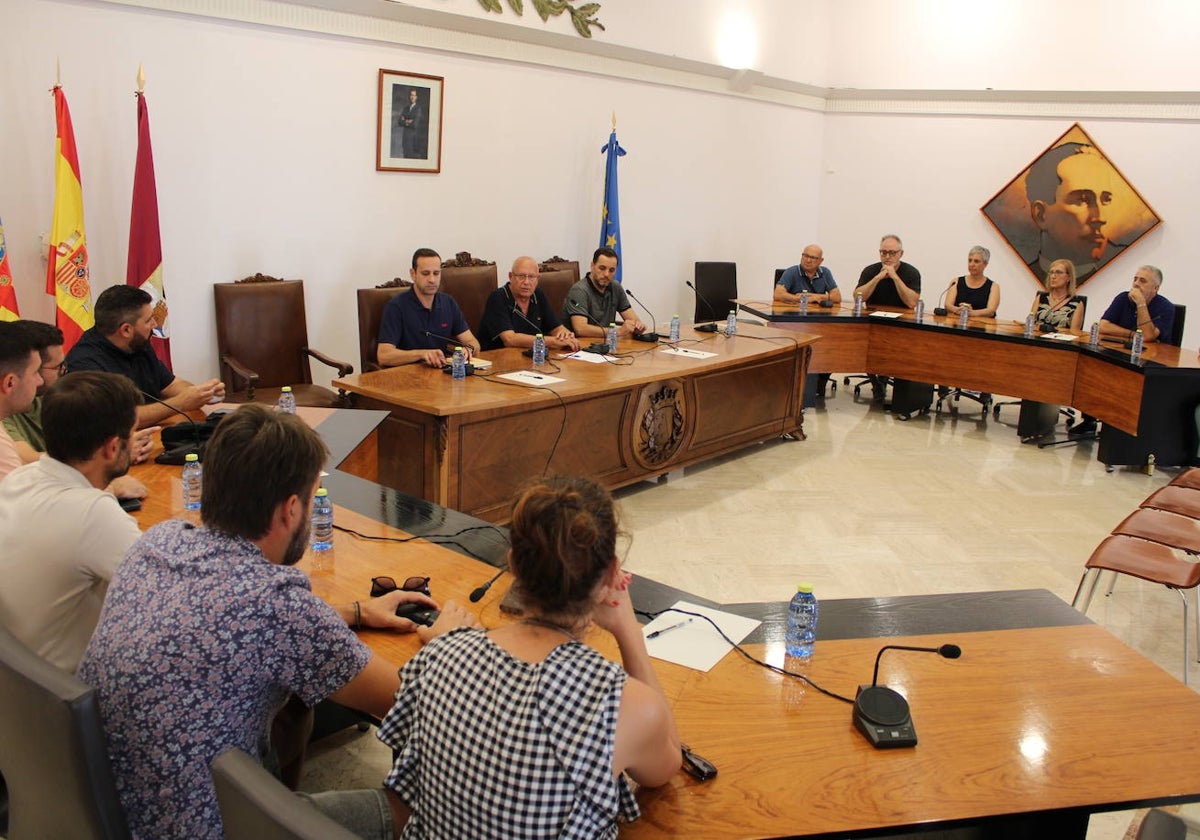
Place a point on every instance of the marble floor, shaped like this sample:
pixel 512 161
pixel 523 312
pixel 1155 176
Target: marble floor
pixel 869 505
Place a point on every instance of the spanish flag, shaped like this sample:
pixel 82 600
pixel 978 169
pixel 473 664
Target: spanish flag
pixel 67 264
pixel 144 267
pixel 8 295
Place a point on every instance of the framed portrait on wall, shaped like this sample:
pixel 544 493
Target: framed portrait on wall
pixel 409 135
pixel 1070 203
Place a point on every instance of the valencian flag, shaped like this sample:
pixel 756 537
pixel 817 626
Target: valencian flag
pixel 144 268
pixel 610 215
pixel 67 265
pixel 8 295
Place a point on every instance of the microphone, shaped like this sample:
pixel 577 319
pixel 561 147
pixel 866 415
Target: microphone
pixel 596 346
pixel 653 335
pixel 940 309
pixel 177 452
pixel 446 368
pixel 537 327
pixel 711 327
pixel 881 714
pixel 478 592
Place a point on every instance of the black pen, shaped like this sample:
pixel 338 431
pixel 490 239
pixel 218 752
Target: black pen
pixel 658 633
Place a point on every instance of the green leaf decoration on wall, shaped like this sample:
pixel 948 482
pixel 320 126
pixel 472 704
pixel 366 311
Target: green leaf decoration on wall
pixel 583 16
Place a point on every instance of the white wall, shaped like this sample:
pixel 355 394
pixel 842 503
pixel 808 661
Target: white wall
pixel 264 148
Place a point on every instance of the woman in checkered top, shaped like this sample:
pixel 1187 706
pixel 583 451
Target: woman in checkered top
pixel 525 731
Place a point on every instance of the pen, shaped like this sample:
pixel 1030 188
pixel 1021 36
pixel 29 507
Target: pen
pixel 658 633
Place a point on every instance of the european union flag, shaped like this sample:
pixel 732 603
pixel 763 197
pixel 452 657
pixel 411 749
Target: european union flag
pixel 610 216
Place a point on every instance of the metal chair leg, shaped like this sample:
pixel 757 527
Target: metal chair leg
pixel 1095 574
pixel 1186 660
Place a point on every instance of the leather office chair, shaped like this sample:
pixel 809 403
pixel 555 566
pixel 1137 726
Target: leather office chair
pixel 53 755
pixel 1177 325
pixel 1160 825
pixel 262 343
pixel 716 287
pixel 555 280
pixel 256 806
pixel 371 303
pixel 557 263
pixel 469 281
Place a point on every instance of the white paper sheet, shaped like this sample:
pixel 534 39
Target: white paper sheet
pixel 696 645
pixel 689 353
pixel 886 314
pixel 529 377
pixel 594 358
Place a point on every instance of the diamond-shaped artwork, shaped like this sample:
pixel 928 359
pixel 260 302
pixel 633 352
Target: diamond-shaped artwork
pixel 1070 203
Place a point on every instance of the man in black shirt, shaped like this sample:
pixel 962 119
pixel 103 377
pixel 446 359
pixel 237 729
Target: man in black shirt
pixel 890 282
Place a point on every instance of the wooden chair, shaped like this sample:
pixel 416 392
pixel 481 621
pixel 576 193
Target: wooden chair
pixel 53 755
pixel 469 281
pixel 1175 498
pixel 371 303
pixel 257 806
pixel 262 342
pixel 555 278
pixel 1189 478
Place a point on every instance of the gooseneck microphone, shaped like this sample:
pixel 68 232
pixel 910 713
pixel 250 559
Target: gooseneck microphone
pixel 653 335
pixel 478 592
pixel 448 368
pixel 596 346
pixel 941 309
pixel 710 327
pixel 881 714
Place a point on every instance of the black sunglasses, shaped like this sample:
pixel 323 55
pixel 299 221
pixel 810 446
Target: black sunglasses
pixel 384 585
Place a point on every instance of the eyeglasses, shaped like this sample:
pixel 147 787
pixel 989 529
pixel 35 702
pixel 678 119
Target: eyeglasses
pixel 525 276
pixel 384 585
pixel 810 257
pixel 61 367
pixel 884 253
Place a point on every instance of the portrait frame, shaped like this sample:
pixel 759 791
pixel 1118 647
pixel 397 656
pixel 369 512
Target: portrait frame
pixel 1041 223
pixel 408 138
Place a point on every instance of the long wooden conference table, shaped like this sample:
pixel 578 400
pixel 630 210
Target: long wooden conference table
pixel 468 445
pixel 1147 406
pixel 1044 719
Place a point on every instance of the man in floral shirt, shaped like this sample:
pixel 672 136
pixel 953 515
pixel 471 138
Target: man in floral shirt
pixel 207 630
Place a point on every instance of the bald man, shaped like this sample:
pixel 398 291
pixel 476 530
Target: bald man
pixel 519 310
pixel 809 276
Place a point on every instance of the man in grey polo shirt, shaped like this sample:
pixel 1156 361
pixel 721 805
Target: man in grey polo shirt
pixel 595 301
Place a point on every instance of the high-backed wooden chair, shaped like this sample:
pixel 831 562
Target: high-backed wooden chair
pixel 262 342
pixel 555 279
pixel 557 263
pixel 371 303
pixel 469 281
pixel 53 755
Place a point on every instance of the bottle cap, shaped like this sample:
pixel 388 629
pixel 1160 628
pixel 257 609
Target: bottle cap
pixel 804 587
pixel 539 335
pixel 286 389
pixel 321 492
pixel 191 457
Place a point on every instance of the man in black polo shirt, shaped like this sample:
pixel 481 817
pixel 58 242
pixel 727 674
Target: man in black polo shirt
pixel 120 343
pixel 890 282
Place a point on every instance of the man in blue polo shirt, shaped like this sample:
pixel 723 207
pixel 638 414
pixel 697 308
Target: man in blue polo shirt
pixel 809 276
pixel 1141 308
pixel 418 325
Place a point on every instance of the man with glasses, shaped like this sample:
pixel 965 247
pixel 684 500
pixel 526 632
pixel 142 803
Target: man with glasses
pixel 890 282
pixel 419 324
pixel 20 376
pixel 207 630
pixel 25 428
pixel 63 535
pixel 519 310
pixel 809 276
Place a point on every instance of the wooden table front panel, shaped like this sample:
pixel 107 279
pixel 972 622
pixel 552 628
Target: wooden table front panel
pixel 1030 370
pixel 1109 391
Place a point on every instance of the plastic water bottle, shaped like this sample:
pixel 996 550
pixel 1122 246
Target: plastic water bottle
pixel 964 314
pixel 1029 322
pixel 610 338
pixel 801 622
pixel 539 349
pixel 804 300
pixel 1139 344
pixel 287 401
pixel 731 323
pixel 322 521
pixel 193 479
pixel 1094 335
pixel 858 304
pixel 919 310
pixel 458 364
pixel 674 337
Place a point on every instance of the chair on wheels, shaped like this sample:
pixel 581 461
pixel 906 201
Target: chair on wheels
pixel 716 289
pixel 256 806
pixel 371 303
pixel 262 343
pixel 53 755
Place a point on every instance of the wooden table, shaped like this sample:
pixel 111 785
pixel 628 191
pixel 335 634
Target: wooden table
pixel 1147 406
pixel 1045 718
pixel 468 445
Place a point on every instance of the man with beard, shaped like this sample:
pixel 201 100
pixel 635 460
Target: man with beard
pixel 120 343
pixel 64 536
pixel 207 630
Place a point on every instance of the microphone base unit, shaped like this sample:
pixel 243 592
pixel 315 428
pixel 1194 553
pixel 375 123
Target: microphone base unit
pixel 649 338
pixel 707 328
pixel 940 310
pixel 449 369
pixel 597 347
pixel 881 714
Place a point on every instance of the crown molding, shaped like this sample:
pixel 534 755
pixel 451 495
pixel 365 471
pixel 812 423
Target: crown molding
pixel 387 22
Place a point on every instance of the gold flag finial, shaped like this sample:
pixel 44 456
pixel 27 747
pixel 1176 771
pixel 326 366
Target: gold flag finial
pixel 614 120
pixel 141 78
